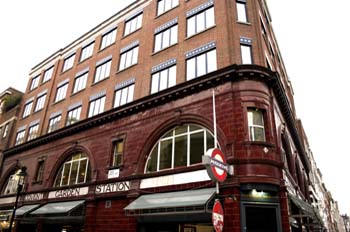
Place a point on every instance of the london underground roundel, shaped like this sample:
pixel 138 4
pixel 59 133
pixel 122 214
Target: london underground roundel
pixel 218 216
pixel 216 165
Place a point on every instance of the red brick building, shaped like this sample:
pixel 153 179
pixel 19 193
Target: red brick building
pixel 113 127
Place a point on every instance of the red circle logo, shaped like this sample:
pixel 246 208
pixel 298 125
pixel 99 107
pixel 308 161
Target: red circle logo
pixel 218 163
pixel 218 216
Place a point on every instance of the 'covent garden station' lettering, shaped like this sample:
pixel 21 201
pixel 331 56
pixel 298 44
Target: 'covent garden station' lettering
pixel 112 187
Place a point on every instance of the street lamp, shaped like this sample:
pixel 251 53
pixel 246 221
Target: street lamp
pixel 21 174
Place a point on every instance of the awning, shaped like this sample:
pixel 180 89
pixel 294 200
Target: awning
pixel 58 208
pixel 306 209
pixel 190 201
pixel 25 209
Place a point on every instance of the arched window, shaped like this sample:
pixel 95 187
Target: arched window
pixel 75 170
pixel 180 147
pixel 12 182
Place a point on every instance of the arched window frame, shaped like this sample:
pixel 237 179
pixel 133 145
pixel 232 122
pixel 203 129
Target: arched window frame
pixel 171 135
pixel 11 183
pixel 72 160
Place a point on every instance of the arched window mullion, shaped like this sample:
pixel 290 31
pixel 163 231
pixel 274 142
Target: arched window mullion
pixel 78 169
pixel 86 170
pixel 188 146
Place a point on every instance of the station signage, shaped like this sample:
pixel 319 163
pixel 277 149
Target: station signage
pixel 215 162
pixel 34 197
pixel 70 192
pixel 112 187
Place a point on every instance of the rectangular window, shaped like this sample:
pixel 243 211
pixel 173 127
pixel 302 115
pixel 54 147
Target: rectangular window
pixel 256 125
pixel 124 95
pixel 103 71
pixel 128 58
pixel 33 132
pixel 48 74
pixel 165 38
pixel 27 109
pixel 87 51
pixel 118 148
pixel 163 79
pixel 201 64
pixel 6 130
pixel 166 5
pixel 40 102
pixel 200 22
pixel 241 11
pixel 97 106
pixel 20 137
pixel 54 123
pixel 80 82
pixel 39 171
pixel 108 38
pixel 133 24
pixel 68 62
pixel 35 82
pixel 73 116
pixel 61 92
pixel 246 52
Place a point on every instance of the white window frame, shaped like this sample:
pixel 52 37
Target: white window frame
pixel 33 132
pixel 103 71
pixel 40 102
pixel 108 38
pixel 61 92
pixel 54 123
pixel 124 95
pixel 129 58
pixel 164 6
pixel 73 115
pixel 27 109
pixel 133 24
pixel 163 79
pixel 166 38
pixel 200 21
pixel 20 137
pixel 80 82
pixel 68 62
pixel 34 82
pixel 117 153
pixel 96 106
pixel 252 125
pixel 87 51
pixel 242 11
pixel 48 74
pixel 6 130
pixel 246 54
pixel 195 65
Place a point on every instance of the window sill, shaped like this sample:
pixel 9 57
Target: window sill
pixel 57 102
pixel 115 167
pixel 157 16
pixel 73 94
pixel 82 61
pixel 37 182
pixel 119 71
pixel 155 53
pixel 101 50
pixel 124 36
pixel 244 23
pixel 100 81
pixel 198 33
pixel 63 72
pixel 35 112
pixel 259 143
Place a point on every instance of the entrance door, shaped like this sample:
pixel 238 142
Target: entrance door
pixel 261 218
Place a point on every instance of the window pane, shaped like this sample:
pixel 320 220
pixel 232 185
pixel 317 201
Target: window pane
pixel 241 12
pixel 73 174
pixel 158 42
pixel 139 21
pixel 135 55
pixel 191 68
pixel 211 60
pixel 163 79
pixel 131 93
pixel 160 7
pixel 165 154
pixel 153 160
pixel 128 58
pixel 181 129
pixel 200 22
pixel 117 98
pixel 210 17
pixel 172 76
pixel 259 134
pixel 65 174
pixel 191 26
pixel 201 65
pixel 173 35
pixel 258 118
pixel 82 170
pixel 196 147
pixel 210 141
pixel 124 96
pixel 167 5
pixel 166 38
pixel 122 61
pixel 180 158
pixel 155 81
pixel 246 54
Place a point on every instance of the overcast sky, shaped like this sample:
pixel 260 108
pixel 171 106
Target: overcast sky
pixel 313 36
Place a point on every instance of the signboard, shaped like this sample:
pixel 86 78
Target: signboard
pixel 71 192
pixel 218 216
pixel 112 187
pixel 34 197
pixel 216 165
pixel 113 173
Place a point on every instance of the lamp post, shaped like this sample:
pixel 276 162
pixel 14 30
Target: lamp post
pixel 21 175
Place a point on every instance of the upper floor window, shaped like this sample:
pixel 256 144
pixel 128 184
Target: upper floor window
pixel 256 125
pixel 97 106
pixel 166 5
pixel 54 123
pixel 48 74
pixel 87 51
pixel 27 109
pixel 20 137
pixel 75 170
pixel 133 24
pixel 103 71
pixel 33 132
pixel 108 38
pixel 118 149
pixel 201 64
pixel 241 11
pixel 200 21
pixel 246 51
pixel 73 116
pixel 180 147
pixel 128 57
pixel 39 174
pixel 35 82
pixel 40 102
pixel 124 95
pixel 68 62
pixel 165 38
pixel 61 92
pixel 80 82
pixel 163 79
pixel 6 130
